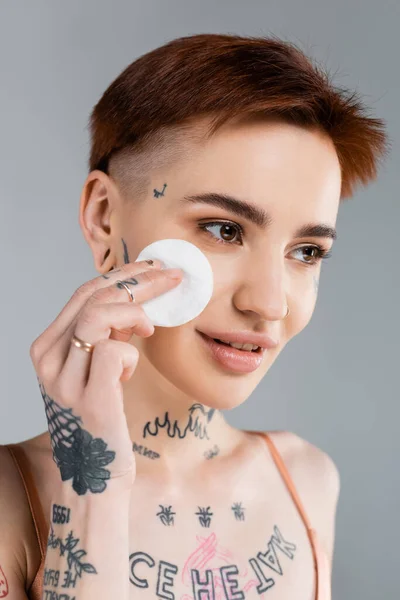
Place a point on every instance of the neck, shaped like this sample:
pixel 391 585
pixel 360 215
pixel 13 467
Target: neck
pixel 170 431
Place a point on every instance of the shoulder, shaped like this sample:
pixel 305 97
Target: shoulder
pixel 15 521
pixel 307 460
pixel 317 481
pixel 20 551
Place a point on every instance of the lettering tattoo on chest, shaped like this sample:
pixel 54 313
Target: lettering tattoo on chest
pixel 197 422
pixel 77 454
pixel 209 573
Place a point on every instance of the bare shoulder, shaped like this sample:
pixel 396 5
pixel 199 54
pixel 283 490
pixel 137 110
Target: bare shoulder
pixel 307 460
pixel 317 480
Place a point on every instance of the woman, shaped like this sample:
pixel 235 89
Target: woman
pixel 140 488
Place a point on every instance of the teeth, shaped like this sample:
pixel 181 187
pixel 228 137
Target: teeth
pixel 241 346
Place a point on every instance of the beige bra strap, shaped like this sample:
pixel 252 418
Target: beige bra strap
pixel 312 534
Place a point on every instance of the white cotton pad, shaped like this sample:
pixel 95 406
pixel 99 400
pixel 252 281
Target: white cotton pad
pixel 184 302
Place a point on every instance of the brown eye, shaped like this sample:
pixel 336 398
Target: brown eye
pixel 228 231
pixel 317 254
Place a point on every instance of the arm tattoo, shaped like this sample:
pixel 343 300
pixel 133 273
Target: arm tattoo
pixel 74 557
pixel 61 514
pixel 77 454
pixel 53 579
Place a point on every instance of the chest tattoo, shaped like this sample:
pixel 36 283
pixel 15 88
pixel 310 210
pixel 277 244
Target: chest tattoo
pixel 210 572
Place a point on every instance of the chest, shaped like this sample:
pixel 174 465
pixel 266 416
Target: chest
pixel 221 550
pixel 236 538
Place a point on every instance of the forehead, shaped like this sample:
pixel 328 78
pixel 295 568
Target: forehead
pixel 283 167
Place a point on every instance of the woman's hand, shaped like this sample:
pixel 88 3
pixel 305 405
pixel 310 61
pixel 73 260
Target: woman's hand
pixel 82 390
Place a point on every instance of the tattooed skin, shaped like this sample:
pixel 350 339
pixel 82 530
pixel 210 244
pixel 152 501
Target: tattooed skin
pixel 211 453
pixel 197 423
pixel 157 194
pixel 77 454
pixel 61 514
pixel 166 515
pixel 238 511
pixel 52 595
pixel 131 281
pixel 145 451
pixel 206 581
pixel 204 515
pixel 126 254
pixel 74 557
pixel 3 584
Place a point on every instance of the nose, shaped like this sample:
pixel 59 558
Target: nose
pixel 262 290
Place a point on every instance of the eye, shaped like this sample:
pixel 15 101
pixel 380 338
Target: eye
pixel 228 226
pixel 320 253
pixel 232 230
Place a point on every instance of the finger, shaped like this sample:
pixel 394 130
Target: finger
pixel 71 365
pixel 69 312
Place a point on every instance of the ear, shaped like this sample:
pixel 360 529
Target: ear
pixel 98 212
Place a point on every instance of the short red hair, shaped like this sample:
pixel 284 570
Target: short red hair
pixel 225 77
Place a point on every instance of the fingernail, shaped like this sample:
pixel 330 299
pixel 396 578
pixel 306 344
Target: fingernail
pixel 155 263
pixel 174 273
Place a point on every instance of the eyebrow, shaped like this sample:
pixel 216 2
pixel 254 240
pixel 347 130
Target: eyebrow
pixel 257 215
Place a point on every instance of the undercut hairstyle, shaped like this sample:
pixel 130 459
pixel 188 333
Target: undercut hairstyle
pixel 144 117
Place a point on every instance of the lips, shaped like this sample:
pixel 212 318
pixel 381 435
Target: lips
pixel 243 337
pixel 259 349
pixel 232 359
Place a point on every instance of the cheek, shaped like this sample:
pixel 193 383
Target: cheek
pixel 302 303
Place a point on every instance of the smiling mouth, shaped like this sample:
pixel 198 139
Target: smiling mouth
pixel 256 351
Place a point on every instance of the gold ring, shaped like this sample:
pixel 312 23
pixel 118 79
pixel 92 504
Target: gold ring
pixel 81 344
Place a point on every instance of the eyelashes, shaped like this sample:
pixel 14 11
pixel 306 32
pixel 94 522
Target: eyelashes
pixel 321 252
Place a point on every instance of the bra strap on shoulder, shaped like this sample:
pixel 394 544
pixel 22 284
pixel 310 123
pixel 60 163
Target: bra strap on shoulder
pixel 287 478
pixel 311 532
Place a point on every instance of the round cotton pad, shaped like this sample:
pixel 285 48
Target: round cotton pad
pixel 184 302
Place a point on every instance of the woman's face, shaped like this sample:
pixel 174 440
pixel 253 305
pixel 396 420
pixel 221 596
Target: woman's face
pixel 294 176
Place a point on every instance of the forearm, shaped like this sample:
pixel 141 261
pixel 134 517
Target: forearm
pixel 88 545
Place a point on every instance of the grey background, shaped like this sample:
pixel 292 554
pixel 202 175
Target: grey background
pixel 336 384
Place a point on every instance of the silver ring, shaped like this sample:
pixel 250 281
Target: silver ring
pixel 131 296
